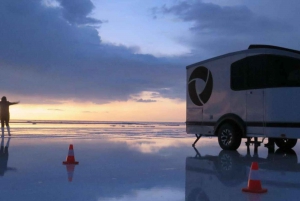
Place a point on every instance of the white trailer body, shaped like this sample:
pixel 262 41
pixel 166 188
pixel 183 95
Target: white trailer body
pixel 250 93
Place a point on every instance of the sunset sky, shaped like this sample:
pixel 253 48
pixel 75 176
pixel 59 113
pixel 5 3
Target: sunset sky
pixel 124 60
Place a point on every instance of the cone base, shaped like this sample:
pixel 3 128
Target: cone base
pixel 68 163
pixel 263 190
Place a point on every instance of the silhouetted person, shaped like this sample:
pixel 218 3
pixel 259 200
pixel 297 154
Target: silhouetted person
pixel 4 105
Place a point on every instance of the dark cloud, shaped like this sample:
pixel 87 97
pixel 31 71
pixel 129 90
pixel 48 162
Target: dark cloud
pixel 145 100
pixel 222 29
pixel 54 54
pixel 77 11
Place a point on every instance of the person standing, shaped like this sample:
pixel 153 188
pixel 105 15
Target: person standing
pixel 4 105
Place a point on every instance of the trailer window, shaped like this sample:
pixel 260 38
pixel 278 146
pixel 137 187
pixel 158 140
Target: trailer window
pixel 238 75
pixel 282 71
pixel 248 73
pixel 265 71
pixel 256 75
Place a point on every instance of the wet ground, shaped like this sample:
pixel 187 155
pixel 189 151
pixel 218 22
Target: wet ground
pixel 137 162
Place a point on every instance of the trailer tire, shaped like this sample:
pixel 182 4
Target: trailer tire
pixel 228 137
pixel 285 143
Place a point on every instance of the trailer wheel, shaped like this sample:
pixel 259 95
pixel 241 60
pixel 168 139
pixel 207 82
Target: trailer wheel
pixel 228 137
pixel 285 143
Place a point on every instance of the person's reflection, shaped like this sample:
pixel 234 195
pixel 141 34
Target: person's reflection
pixel 4 157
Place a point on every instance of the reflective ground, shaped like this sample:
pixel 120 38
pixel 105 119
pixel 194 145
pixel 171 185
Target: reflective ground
pixel 137 162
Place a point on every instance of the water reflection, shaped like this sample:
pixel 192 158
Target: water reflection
pixel 70 171
pixel 4 157
pixel 223 176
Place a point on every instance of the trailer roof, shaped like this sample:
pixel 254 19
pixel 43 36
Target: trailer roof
pixel 252 47
pixel 273 47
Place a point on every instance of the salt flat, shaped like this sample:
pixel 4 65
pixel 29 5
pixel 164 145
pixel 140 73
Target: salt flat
pixel 120 162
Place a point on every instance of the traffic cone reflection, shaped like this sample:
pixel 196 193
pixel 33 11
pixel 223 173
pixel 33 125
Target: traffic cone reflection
pixel 70 171
pixel 254 184
pixel 253 197
pixel 70 158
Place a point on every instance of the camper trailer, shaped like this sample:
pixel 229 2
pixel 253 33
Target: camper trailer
pixel 245 94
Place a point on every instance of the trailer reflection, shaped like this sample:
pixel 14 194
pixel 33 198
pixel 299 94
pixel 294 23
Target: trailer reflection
pixel 222 177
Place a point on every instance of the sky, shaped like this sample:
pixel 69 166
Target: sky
pixel 124 60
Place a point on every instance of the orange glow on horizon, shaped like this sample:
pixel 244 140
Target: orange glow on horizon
pixel 163 110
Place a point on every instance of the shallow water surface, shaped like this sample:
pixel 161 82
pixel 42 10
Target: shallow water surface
pixel 120 162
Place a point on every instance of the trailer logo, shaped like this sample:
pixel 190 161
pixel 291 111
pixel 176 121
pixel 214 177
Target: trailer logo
pixel 204 74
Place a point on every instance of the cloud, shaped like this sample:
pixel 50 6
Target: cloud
pixel 56 110
pixel 145 100
pixel 155 95
pixel 89 112
pixel 221 29
pixel 53 52
pixel 77 11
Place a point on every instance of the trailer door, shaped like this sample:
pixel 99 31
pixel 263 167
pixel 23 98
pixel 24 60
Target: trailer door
pixel 255 94
pixel 255 111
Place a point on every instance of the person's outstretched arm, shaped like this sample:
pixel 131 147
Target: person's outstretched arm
pixel 13 103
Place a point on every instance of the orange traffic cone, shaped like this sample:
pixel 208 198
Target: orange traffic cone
pixel 70 171
pixel 70 157
pixel 254 184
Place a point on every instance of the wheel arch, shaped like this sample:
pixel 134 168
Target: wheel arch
pixel 232 119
